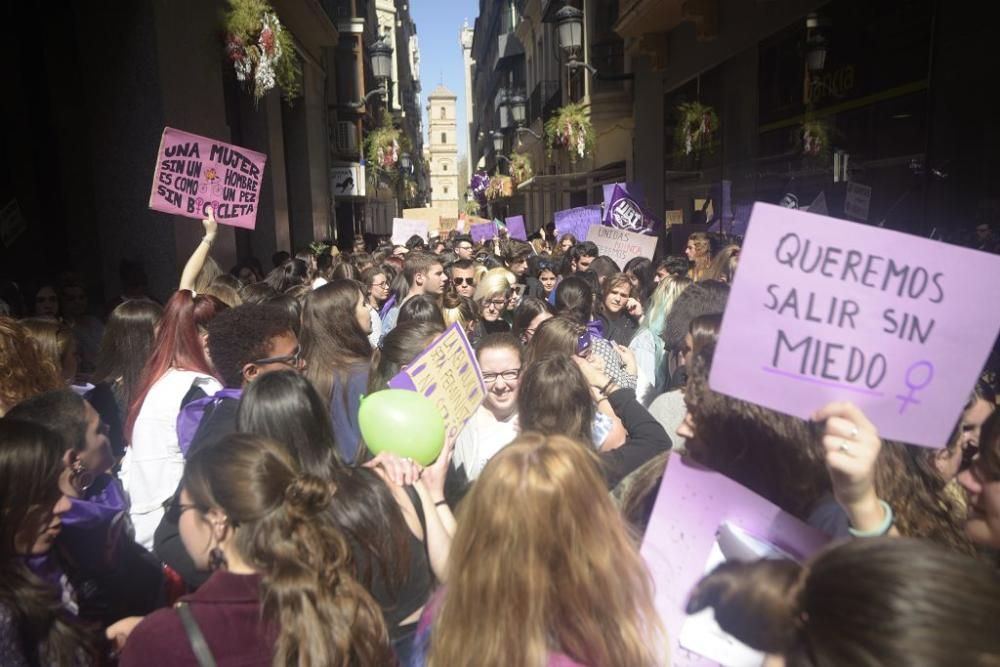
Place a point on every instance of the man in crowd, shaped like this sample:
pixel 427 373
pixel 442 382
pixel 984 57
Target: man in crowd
pixel 463 276
pixel 425 275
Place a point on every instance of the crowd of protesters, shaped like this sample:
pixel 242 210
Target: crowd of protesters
pixel 187 483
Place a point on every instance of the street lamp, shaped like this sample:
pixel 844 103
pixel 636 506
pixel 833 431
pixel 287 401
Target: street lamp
pixel 405 163
pixel 816 43
pixel 569 28
pixel 517 108
pixel 503 106
pixel 381 62
pixel 497 141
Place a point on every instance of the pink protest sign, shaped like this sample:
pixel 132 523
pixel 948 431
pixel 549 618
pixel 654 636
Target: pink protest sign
pixel 692 504
pixel 824 310
pixel 193 172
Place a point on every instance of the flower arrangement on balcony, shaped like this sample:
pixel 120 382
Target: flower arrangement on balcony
pixel 472 207
pixel 478 184
pixel 383 146
pixel 813 139
pixel 499 187
pixel 696 129
pixel 570 128
pixel 261 50
pixel 520 168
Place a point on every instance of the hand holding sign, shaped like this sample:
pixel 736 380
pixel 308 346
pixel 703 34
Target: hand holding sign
pixel 852 447
pixel 211 226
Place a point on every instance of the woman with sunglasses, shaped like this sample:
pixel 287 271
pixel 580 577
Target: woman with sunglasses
pixel 112 575
pixel 38 624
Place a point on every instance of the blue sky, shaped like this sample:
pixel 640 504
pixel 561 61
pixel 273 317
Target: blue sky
pixel 439 23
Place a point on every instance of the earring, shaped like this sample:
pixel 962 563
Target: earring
pixel 80 477
pixel 216 559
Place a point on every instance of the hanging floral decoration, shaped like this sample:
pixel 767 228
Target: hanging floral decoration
pixel 814 138
pixel 698 125
pixel 261 50
pixel 480 181
pixel 383 146
pixel 520 168
pixel 499 187
pixel 570 128
pixel 471 207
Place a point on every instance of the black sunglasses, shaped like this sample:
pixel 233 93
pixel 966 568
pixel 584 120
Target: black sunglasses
pixel 471 282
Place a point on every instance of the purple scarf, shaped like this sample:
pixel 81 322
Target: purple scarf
pixel 596 328
pixel 387 306
pixel 93 526
pixel 191 414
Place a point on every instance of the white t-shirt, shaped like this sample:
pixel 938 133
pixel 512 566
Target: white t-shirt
pixel 483 436
pixel 375 337
pixel 153 463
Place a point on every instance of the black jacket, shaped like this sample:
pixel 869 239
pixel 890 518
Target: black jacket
pixel 646 437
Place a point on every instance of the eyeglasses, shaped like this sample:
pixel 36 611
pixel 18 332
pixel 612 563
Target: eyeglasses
pixel 173 508
pixel 508 376
pixel 495 303
pixel 381 285
pixel 293 360
pixel 463 247
pixel 471 282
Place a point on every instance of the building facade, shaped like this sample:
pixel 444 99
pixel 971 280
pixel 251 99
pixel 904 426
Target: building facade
pixel 443 151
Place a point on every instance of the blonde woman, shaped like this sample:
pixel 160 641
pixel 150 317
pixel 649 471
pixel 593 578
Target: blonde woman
pixel 493 292
pixel 460 309
pixel 699 253
pixel 542 571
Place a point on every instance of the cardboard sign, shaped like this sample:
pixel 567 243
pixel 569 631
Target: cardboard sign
pixel 403 229
pixel 431 215
pixel 858 201
pixel 449 224
pixel 577 221
pixel 516 228
pixel 483 231
pixel 674 217
pixel 826 310
pixel 448 374
pixel 620 245
pixel 691 506
pixel 193 172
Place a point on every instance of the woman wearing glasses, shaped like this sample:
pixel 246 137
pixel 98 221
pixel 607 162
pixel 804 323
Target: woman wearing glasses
pixel 492 295
pixel 376 281
pixel 494 424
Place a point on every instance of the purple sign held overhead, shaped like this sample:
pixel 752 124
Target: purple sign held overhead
pixel 577 221
pixel 515 226
pixel 484 231
pixel 827 310
pixel 623 212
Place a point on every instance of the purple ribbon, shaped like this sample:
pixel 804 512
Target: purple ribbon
pixel 387 306
pixel 191 415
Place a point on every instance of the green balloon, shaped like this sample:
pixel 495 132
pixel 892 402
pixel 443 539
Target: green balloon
pixel 402 422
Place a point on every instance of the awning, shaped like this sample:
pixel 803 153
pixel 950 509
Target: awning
pixel 574 182
pixel 508 47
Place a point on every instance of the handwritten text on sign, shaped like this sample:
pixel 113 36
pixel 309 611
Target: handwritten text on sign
pixel 620 245
pixel 193 172
pixel 577 221
pixel 824 310
pixel 403 229
pixel 447 373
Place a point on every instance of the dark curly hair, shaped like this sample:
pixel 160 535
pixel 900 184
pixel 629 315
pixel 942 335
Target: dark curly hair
pixel 242 334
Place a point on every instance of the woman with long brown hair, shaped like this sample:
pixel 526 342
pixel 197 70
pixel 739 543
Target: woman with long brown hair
pixel 281 592
pixel 543 570
pixel 874 602
pixel 336 322
pixel 37 624
pixel 699 253
pixel 177 368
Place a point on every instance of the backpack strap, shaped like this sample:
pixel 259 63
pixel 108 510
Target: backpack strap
pixel 198 644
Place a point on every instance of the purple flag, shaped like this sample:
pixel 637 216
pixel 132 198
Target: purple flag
pixel 624 212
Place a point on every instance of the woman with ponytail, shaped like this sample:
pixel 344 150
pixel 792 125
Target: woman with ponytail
pixel 281 592
pixel 877 602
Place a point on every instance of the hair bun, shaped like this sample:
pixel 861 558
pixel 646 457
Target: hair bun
pixel 308 495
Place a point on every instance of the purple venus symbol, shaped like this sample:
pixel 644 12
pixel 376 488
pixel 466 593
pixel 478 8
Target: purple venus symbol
pixel 915 385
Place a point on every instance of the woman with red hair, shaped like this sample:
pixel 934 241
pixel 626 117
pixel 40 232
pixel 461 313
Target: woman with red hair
pixel 178 369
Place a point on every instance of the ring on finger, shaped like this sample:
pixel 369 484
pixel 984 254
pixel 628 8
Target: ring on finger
pixel 844 447
pixel 854 433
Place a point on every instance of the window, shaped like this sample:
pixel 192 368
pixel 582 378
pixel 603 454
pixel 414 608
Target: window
pixel 444 166
pixel 443 114
pixel 444 137
pixel 446 189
